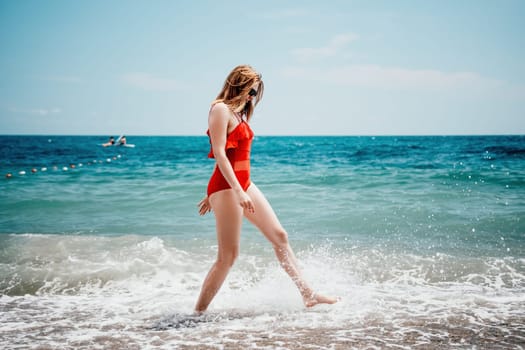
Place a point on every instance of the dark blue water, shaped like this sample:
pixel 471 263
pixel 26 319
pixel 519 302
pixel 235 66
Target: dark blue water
pixel 463 193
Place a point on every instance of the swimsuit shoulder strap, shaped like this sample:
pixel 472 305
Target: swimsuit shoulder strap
pixel 238 117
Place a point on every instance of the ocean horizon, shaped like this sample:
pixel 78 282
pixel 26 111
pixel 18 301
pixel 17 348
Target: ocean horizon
pixel 422 237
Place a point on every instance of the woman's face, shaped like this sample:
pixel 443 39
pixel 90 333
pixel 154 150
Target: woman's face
pixel 252 92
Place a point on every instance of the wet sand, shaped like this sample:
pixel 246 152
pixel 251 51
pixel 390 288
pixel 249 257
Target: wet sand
pixel 459 333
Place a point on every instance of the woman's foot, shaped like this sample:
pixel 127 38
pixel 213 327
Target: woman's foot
pixel 319 299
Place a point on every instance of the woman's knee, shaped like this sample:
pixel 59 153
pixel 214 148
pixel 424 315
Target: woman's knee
pixel 227 259
pixel 280 238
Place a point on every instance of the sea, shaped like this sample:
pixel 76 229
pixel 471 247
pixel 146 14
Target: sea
pixel 421 237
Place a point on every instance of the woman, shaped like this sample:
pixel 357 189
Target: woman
pixel 231 194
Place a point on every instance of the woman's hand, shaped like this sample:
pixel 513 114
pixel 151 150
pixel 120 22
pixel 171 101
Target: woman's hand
pixel 204 206
pixel 245 201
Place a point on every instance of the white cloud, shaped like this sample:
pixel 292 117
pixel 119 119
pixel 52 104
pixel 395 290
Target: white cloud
pixel 285 14
pixel 37 111
pixel 334 47
pixel 368 75
pixel 149 82
pixel 62 79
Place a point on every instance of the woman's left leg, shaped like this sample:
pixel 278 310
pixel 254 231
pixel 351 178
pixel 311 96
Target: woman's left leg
pixel 265 219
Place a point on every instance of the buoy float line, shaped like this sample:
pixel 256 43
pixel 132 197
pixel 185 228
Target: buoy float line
pixel 34 170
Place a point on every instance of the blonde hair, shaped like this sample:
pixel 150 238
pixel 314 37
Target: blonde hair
pixel 237 86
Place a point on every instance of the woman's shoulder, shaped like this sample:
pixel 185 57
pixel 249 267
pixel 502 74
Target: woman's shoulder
pixel 219 107
pixel 220 111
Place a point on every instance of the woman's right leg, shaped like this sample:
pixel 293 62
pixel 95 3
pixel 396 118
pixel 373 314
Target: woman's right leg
pixel 228 217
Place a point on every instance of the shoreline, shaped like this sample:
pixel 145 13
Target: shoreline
pixel 380 335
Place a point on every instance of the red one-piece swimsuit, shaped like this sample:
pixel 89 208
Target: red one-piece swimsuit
pixel 238 147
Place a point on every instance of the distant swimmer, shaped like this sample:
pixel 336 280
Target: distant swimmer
pixel 110 142
pixel 122 141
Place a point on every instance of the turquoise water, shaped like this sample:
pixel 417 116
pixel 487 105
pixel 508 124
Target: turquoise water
pixel 410 231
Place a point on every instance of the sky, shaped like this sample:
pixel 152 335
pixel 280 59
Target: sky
pixel 364 67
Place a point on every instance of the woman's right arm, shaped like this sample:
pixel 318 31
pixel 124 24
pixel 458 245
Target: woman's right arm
pixel 218 122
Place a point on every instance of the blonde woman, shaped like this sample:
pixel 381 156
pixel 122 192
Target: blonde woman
pixel 231 194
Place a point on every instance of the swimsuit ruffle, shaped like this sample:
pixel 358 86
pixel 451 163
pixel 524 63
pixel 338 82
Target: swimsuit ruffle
pixel 240 133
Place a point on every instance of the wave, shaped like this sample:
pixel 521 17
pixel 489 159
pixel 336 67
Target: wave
pixel 136 291
pixel 504 150
pixel 56 264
